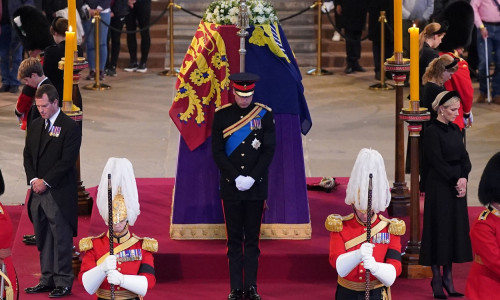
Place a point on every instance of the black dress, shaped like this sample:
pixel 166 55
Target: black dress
pixel 427 54
pixel 445 236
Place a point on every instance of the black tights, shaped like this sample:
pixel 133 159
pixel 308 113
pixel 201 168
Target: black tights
pixel 445 279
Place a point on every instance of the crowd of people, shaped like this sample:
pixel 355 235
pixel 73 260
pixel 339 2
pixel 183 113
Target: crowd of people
pixel 50 155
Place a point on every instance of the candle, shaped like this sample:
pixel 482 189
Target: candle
pixel 398 25
pixel 69 52
pixel 72 16
pixel 414 52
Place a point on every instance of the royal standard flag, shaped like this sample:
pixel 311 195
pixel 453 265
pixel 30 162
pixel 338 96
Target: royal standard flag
pixel 202 83
pixel 280 86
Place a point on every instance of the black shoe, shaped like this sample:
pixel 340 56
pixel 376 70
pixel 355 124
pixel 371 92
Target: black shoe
pixel 111 71
pixel 454 294
pixel 131 67
pixel 101 75
pixel 5 88
pixel 60 291
pixel 349 70
pixel 377 75
pixel 142 68
pixel 236 294
pixel 39 288
pixel 14 89
pixel 252 294
pixel 437 295
pixel 358 68
pixel 91 75
pixel 30 240
pixel 28 236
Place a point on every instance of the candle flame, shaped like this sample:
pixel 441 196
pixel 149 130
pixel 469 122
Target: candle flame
pixel 70 29
pixel 414 25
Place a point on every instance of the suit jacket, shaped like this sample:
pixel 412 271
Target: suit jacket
pixel 53 159
pixel 252 156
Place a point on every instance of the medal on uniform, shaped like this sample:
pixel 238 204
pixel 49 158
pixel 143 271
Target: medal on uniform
pixel 255 124
pixel 381 238
pixel 130 255
pixel 256 144
pixel 55 131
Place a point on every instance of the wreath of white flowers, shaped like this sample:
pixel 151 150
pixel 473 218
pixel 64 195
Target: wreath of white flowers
pixel 225 12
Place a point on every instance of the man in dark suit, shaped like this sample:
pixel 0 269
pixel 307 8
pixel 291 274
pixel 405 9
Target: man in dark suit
pixel 50 153
pixel 243 142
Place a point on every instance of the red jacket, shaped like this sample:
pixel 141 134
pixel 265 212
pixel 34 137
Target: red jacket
pixel 6 233
pixel 484 274
pixel 24 103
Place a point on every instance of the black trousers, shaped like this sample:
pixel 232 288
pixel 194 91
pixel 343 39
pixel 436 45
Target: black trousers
pixel 243 220
pixel 114 41
pixel 343 293
pixel 139 15
pixel 352 47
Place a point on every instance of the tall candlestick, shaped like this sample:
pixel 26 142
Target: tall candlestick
pixel 69 53
pixel 398 25
pixel 414 52
pixel 72 17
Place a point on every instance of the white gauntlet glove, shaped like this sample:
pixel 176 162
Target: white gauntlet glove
pixel 93 278
pixel 247 183
pixel 238 182
pixel 386 273
pixel 348 261
pixel 137 284
pixel 327 6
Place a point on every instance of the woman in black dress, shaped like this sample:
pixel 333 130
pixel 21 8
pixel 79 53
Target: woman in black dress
pixel 445 236
pixel 430 38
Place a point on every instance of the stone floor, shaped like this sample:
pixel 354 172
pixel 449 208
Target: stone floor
pixel 131 120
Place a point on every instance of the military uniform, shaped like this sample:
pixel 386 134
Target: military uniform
pixel 134 257
pixel 347 234
pixel 243 142
pixel 484 274
pixel 5 248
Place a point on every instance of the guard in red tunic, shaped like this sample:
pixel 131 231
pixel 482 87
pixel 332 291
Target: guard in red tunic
pixel 484 274
pixel 350 254
pixel 131 268
pixel 7 271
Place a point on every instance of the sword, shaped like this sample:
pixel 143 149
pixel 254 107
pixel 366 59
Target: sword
pixel 368 234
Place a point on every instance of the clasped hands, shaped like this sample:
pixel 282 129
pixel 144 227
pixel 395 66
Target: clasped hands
pixel 108 266
pixel 365 254
pixel 461 187
pixel 244 183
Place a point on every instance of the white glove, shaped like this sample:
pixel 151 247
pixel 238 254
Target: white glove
pixel 327 6
pixel 108 264
pixel 137 284
pixel 386 273
pixel 238 182
pixel 247 183
pixel 468 121
pixel 365 250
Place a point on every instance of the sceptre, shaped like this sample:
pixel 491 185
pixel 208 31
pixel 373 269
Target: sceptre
pixel 110 228
pixel 243 24
pixel 368 234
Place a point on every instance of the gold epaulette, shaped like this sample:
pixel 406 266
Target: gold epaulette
pixel 484 215
pixel 148 244
pixel 223 106
pixel 263 106
pixel 396 226
pixel 86 244
pixel 334 222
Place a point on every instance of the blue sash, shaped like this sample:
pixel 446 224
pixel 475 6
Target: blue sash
pixel 241 134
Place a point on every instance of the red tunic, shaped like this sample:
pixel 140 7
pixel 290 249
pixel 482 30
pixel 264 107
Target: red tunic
pixel 484 275
pixel 461 83
pixel 389 252
pixel 24 104
pixel 144 266
pixel 6 232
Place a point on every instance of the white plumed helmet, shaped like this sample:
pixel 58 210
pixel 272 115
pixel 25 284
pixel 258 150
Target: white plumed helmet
pixel 124 191
pixel 368 162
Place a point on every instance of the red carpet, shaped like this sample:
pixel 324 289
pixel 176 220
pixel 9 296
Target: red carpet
pixel 198 269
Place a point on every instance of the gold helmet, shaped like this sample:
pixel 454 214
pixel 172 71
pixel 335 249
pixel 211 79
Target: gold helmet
pixel 125 203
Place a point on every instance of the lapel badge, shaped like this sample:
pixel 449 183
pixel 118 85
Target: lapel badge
pixel 55 131
pixel 256 144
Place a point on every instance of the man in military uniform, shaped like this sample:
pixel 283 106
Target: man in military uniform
pixel 243 142
pixel 350 253
pixel 484 275
pixel 131 268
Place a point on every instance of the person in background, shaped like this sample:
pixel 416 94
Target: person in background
pixel 131 268
pixel 416 12
pixel 50 153
pixel 91 7
pixel 374 32
pixel 119 10
pixel 484 275
pixel 139 15
pixel 429 39
pixel 243 143
pixel 447 166
pixel 350 253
